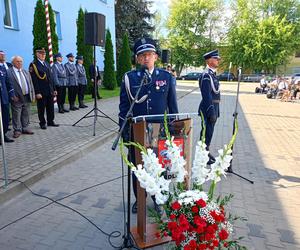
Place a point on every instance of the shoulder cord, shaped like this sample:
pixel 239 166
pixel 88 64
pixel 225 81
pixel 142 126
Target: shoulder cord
pixel 213 86
pixel 71 72
pixel 58 69
pixel 130 97
pixel 37 73
pixel 81 70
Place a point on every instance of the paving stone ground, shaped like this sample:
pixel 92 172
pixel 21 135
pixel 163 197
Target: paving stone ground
pixel 266 151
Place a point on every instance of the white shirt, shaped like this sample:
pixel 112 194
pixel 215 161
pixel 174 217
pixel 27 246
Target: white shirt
pixel 282 85
pixel 42 62
pixel 19 79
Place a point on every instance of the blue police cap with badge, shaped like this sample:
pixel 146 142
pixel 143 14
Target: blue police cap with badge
pixel 79 57
pixel 70 55
pixel 57 55
pixel 144 44
pixel 212 54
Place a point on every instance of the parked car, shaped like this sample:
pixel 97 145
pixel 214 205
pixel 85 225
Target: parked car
pixel 226 76
pixel 252 78
pixel 190 76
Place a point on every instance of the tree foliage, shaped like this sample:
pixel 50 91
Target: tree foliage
pixel 39 30
pixel 124 60
pixel 83 49
pixel 109 75
pixel 190 30
pixel 133 17
pixel 262 35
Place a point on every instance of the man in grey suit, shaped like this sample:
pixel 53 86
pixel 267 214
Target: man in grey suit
pixel 72 81
pixel 21 81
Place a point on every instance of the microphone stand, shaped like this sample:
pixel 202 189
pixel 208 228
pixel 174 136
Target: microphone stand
pixel 235 114
pixel 3 145
pixel 127 243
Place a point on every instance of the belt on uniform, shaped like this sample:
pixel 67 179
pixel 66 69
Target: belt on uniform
pixel 216 101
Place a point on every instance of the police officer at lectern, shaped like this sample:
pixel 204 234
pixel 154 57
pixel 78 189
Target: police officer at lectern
pixel 157 95
pixel 44 88
pixel 210 91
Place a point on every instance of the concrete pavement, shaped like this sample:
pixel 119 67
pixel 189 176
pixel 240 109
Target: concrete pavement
pixel 266 151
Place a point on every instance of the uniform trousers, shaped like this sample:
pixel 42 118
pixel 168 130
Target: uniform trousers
pixel 81 90
pixel 5 116
pixel 45 103
pixel 61 95
pixel 72 92
pixel 20 114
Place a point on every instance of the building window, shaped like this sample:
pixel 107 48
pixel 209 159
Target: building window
pixel 58 25
pixel 10 15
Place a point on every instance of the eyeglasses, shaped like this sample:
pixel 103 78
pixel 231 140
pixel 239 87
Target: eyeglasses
pixel 146 55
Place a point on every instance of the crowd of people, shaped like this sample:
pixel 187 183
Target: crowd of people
pixel 44 84
pixel 283 88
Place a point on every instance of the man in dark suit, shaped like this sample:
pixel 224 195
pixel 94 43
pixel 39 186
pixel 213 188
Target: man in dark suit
pixel 210 91
pixel 3 62
pixel 24 95
pixel 6 93
pixel 95 73
pixel 44 88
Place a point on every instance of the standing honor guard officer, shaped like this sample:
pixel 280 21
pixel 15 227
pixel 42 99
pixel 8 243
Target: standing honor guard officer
pixel 44 88
pixel 210 91
pixel 60 81
pixel 157 95
pixel 6 93
pixel 72 81
pixel 82 81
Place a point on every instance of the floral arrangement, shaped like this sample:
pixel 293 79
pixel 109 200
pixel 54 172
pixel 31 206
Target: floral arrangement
pixel 194 219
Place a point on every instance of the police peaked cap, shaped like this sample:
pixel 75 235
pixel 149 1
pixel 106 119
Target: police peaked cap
pixel 144 44
pixel 57 55
pixel 79 57
pixel 70 55
pixel 40 50
pixel 211 54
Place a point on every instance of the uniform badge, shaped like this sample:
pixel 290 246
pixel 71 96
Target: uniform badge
pixel 160 83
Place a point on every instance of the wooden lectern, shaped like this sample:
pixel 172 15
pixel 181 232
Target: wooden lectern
pixel 147 134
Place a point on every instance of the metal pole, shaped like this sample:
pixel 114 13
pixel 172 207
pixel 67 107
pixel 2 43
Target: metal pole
pixel 95 92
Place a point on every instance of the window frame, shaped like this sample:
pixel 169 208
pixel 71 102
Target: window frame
pixel 10 14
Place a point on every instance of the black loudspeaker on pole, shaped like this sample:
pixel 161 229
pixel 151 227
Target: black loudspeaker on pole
pixel 94 29
pixel 165 56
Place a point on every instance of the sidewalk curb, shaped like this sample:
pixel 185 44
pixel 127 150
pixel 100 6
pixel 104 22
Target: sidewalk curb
pixel 15 188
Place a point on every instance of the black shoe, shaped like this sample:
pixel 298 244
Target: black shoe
pixel 211 157
pixel 43 126
pixel 7 139
pixel 61 111
pixel 99 97
pixel 81 106
pixel 66 110
pixel 157 208
pixel 53 124
pixel 85 106
pixel 134 208
pixel 76 108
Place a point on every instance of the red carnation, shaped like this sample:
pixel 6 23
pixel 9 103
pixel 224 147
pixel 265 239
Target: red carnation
pixel 183 222
pixel 215 243
pixel 193 244
pixel 195 209
pixel 202 246
pixel 172 225
pixel 210 229
pixel 172 216
pixel 225 244
pixel 175 205
pixel 223 234
pixel 201 203
pixel 157 235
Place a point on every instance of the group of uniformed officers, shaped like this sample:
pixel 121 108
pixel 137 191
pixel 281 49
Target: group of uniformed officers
pixel 51 82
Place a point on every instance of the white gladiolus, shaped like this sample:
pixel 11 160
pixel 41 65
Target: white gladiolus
pixel 199 170
pixel 191 196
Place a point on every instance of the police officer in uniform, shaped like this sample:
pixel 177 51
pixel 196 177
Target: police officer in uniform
pixel 60 82
pixel 210 91
pixel 82 81
pixel 6 94
pixel 44 88
pixel 72 81
pixel 157 95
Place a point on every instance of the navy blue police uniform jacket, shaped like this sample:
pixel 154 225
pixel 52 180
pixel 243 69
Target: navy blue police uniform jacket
pixel 42 78
pixel 6 88
pixel 157 95
pixel 210 91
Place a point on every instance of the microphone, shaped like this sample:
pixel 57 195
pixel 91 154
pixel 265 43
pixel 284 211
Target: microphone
pixel 145 70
